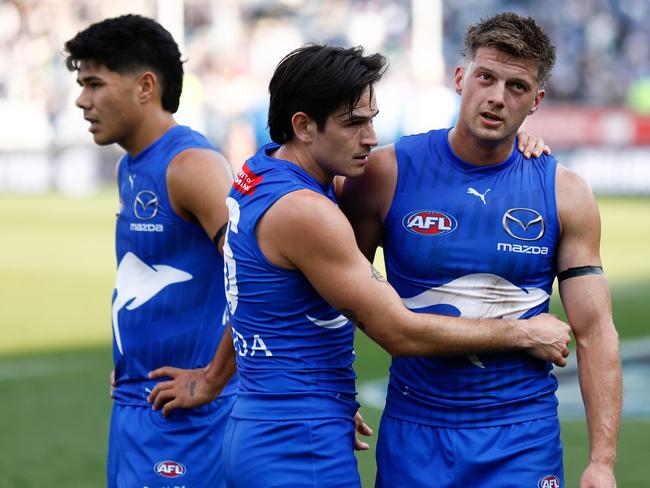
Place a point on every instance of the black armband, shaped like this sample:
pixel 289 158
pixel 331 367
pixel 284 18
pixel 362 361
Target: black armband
pixel 222 230
pixel 579 271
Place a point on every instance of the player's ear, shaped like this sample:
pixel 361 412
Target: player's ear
pixel 536 103
pixel 303 126
pixel 459 79
pixel 147 86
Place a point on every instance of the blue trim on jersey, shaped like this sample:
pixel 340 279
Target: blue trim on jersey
pixel 478 242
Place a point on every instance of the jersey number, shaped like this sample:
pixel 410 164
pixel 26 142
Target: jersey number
pixel 229 264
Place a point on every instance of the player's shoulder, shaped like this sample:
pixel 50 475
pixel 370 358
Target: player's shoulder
pixel 570 184
pixel 305 204
pixel 196 162
pixel 303 212
pixel 382 166
pixel 576 201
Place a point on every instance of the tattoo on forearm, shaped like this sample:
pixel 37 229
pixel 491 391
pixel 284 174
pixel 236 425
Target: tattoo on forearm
pixel 351 316
pixel 191 386
pixel 376 274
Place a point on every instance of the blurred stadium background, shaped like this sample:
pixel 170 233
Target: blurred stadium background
pixel 57 203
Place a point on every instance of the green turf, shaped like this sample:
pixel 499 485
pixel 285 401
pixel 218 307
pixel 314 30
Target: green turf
pixel 57 266
pixel 54 422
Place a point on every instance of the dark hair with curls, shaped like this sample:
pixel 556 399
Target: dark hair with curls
pixel 127 43
pixel 515 35
pixel 317 80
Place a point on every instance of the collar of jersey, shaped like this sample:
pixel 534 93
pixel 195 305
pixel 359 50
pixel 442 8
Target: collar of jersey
pixel 146 150
pixel 466 167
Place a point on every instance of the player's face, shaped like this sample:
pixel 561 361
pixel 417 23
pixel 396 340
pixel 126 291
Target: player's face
pixel 498 92
pixel 342 147
pixel 109 102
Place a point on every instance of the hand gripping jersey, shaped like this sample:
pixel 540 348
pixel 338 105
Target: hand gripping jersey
pixel 169 303
pixel 477 242
pixel 294 351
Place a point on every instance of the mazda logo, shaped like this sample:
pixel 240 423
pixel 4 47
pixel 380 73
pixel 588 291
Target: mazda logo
pixel 524 224
pixel 145 205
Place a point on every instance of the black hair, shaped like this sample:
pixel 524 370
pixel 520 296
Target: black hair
pixel 317 80
pixel 127 43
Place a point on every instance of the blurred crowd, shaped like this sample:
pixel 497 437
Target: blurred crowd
pixel 232 47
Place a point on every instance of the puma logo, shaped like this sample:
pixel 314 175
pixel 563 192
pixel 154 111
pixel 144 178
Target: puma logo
pixel 472 191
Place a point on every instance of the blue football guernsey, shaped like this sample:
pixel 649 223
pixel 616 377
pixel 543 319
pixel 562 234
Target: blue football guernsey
pixel 294 351
pixel 169 304
pixel 477 242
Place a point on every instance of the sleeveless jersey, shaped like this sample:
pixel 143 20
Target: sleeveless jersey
pixel 169 303
pixel 294 351
pixel 477 242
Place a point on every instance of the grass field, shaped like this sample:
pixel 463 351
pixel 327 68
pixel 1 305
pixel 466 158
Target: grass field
pixel 57 266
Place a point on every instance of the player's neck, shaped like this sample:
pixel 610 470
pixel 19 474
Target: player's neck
pixel 152 128
pixel 297 155
pixel 476 151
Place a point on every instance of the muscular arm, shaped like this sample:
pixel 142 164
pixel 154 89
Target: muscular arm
pixel 327 255
pixel 587 303
pixel 198 181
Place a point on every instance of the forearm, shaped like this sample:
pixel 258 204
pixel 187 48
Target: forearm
pixel 222 366
pixel 427 335
pixel 599 369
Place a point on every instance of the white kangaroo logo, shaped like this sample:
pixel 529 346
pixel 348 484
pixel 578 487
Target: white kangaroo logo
pixel 137 282
pixel 481 295
pixel 472 191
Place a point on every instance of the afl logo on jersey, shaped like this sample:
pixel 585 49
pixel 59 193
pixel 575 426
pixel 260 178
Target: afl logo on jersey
pixel 169 469
pixel 429 222
pixel 524 224
pixel 549 481
pixel 145 205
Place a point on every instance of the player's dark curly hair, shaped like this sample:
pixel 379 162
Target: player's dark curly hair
pixel 131 42
pixel 318 80
pixel 514 35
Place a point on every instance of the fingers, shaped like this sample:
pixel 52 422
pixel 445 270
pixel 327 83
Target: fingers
pixel 360 445
pixel 561 362
pixel 362 428
pixel 169 407
pixel 539 147
pixel 165 371
pixel 159 393
pixel 530 145
pixel 113 384
pixel 162 397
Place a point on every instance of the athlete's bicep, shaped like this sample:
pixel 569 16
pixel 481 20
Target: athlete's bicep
pixel 579 220
pixel 198 181
pixel 583 287
pixel 314 236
